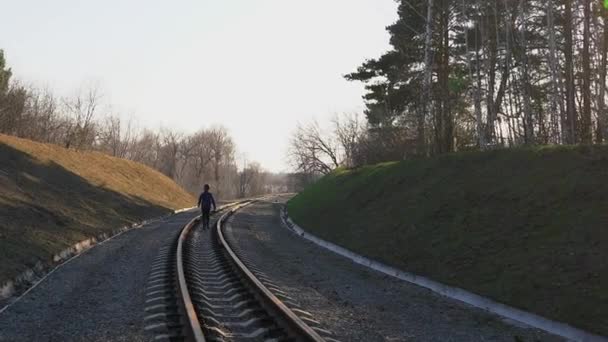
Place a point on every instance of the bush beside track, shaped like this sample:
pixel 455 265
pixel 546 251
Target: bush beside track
pixel 52 197
pixel 527 227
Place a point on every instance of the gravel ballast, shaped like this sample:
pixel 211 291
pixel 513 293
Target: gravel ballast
pixel 354 302
pixel 98 296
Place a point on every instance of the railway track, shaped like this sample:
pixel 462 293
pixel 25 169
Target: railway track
pixel 201 289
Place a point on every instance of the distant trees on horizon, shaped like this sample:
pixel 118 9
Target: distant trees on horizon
pixel 82 122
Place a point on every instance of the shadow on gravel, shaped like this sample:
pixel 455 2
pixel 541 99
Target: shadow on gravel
pixel 45 208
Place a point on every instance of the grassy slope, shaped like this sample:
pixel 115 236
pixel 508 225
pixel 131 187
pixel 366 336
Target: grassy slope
pixel 51 197
pixel 525 227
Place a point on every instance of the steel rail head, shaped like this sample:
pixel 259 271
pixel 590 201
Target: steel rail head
pixel 288 316
pixel 193 325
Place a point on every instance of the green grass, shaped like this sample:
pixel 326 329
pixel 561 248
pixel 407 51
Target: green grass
pixel 527 227
pixel 51 198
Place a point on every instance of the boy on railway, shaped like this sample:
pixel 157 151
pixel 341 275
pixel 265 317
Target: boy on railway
pixel 205 200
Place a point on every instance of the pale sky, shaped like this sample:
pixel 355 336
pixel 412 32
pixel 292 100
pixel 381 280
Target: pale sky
pixel 256 67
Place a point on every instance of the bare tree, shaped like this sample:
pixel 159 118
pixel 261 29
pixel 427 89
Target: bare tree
pixel 250 182
pixel 348 129
pixel 146 148
pixel 202 152
pixel 196 157
pixel 41 115
pixel 12 107
pixel 169 152
pixel 313 151
pixel 81 111
pixel 222 149
pixel 116 137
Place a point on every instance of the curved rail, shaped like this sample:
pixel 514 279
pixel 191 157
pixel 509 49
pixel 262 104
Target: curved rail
pixel 193 325
pixel 194 331
pixel 295 324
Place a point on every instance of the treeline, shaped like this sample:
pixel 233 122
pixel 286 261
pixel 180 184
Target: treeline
pixel 82 122
pixel 482 73
pixel 479 74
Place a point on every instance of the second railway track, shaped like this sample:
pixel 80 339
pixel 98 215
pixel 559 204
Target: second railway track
pixel 210 294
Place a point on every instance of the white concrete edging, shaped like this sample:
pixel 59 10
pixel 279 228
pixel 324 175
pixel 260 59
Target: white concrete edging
pixel 528 318
pixel 33 276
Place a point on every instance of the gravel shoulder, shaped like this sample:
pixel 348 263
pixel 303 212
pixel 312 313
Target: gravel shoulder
pixel 98 296
pixel 355 303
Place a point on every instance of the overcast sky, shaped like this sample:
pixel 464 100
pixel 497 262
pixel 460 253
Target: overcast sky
pixel 256 67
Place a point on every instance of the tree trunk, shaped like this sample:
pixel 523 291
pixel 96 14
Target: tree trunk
pixel 586 129
pixel 525 80
pixel 602 115
pixel 555 88
pixel 569 127
pixel 476 98
pixel 506 70
pixel 428 74
pixel 448 134
pixel 492 49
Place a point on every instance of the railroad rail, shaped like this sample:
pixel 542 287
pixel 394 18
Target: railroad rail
pixel 205 292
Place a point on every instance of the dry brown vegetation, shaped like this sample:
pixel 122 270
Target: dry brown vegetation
pixel 52 197
pixel 86 121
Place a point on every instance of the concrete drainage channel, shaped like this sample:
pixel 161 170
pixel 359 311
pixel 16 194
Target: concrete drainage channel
pixel 200 289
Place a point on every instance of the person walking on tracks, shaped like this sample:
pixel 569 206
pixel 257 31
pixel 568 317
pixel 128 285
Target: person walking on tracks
pixel 205 200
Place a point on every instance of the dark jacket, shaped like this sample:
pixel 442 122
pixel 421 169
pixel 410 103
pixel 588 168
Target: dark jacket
pixel 205 200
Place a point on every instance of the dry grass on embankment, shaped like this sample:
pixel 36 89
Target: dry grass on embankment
pixel 52 197
pixel 527 227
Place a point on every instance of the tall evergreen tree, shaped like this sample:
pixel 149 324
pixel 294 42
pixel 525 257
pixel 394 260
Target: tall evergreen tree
pixel 492 72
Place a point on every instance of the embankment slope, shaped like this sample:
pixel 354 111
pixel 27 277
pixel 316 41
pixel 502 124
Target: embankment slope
pixel 526 227
pixel 52 197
